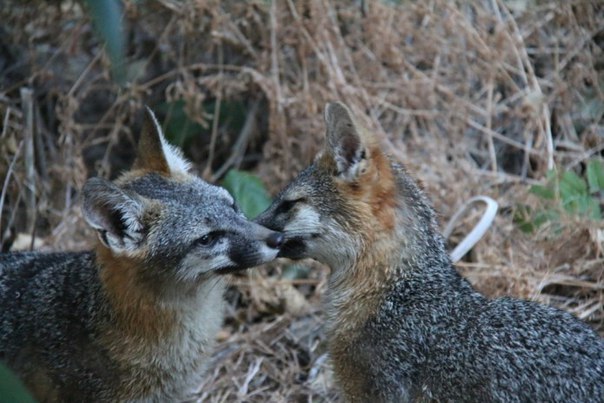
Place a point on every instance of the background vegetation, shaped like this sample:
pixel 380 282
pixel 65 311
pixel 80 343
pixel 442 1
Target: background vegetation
pixel 496 97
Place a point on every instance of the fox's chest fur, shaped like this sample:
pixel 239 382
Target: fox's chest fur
pixel 167 366
pixel 161 346
pixel 178 362
pixel 121 347
pixel 351 304
pixel 348 348
pixel 378 343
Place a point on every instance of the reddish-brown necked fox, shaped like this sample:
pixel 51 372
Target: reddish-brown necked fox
pixel 402 324
pixel 135 319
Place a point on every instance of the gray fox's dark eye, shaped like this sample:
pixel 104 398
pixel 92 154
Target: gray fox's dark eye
pixel 204 240
pixel 208 239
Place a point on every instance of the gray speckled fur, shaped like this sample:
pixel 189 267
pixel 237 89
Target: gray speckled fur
pixel 431 336
pixel 136 319
pixel 440 339
pixel 62 330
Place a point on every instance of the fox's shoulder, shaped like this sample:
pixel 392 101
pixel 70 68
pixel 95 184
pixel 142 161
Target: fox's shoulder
pixel 30 280
pixel 42 259
pixel 528 320
pixel 23 269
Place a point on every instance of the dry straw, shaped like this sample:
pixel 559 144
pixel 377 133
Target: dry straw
pixel 475 97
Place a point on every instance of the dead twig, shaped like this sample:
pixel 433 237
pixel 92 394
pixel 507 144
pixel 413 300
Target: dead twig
pixel 29 160
pixel 9 174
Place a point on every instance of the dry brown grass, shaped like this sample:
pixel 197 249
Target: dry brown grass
pixel 475 97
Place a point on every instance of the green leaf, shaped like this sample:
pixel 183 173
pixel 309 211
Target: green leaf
pixel 551 175
pixel 11 388
pixel 107 18
pixel 248 191
pixel 529 221
pixel 232 114
pixel 587 206
pixel 180 129
pixel 550 189
pixel 135 70
pixel 545 216
pixel 571 187
pixel 522 218
pixel 544 192
pixel 568 191
pixel 595 176
pixel 593 210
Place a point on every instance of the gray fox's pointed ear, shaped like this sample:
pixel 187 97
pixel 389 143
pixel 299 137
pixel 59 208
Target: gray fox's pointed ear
pixel 116 215
pixel 344 141
pixel 154 153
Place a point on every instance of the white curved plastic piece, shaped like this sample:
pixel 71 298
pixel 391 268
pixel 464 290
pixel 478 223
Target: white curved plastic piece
pixel 479 229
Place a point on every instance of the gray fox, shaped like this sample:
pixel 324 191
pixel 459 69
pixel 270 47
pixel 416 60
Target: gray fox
pixel 135 319
pixel 402 324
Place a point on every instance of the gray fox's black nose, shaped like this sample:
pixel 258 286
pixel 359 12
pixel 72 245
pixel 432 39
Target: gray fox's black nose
pixel 275 240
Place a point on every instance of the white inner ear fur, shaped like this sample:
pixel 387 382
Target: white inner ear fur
pixel 130 240
pixel 174 158
pixel 132 214
pixel 346 142
pixel 348 170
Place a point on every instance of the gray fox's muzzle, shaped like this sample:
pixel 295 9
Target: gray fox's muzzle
pixel 245 253
pixel 293 247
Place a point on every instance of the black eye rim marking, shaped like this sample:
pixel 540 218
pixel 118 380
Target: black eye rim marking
pixel 286 205
pixel 209 239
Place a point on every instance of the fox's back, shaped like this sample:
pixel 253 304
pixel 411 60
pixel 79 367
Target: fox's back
pixel 470 350
pixel 42 287
pixel 50 318
pixel 463 347
pixel 535 351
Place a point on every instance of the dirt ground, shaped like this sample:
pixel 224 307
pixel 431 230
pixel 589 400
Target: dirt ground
pixel 474 97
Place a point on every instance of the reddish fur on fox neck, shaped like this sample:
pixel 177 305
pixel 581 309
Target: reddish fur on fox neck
pixel 359 294
pixel 377 189
pixel 373 199
pixel 137 308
